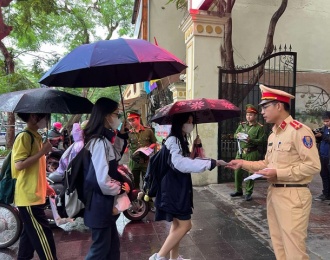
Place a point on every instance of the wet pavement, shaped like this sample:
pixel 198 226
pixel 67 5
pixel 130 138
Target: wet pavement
pixel 223 228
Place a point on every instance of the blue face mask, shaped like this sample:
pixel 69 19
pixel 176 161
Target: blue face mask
pixel 119 127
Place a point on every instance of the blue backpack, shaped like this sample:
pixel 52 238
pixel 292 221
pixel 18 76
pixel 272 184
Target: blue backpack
pixel 7 183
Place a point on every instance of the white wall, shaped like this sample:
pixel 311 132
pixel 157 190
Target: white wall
pixel 304 25
pixel 164 25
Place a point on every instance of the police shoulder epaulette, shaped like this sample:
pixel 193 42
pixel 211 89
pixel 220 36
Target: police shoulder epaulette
pixel 260 124
pixel 296 124
pixel 242 123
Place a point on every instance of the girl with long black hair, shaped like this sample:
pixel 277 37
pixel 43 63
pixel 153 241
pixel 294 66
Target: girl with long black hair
pixel 174 199
pixel 102 184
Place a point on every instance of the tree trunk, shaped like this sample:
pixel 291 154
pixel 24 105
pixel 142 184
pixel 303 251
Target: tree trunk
pixel 4 29
pixel 227 53
pixel 10 68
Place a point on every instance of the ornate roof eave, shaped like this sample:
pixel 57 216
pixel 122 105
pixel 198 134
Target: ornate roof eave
pixel 201 16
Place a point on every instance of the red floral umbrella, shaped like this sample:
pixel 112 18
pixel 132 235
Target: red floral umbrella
pixel 204 110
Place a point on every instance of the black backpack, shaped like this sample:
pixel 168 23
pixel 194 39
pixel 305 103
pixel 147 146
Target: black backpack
pixel 7 183
pixel 157 168
pixel 74 199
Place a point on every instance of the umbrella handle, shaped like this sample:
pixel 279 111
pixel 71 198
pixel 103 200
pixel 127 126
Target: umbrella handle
pixel 122 101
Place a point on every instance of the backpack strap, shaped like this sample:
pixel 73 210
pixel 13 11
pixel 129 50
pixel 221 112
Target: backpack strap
pixel 31 135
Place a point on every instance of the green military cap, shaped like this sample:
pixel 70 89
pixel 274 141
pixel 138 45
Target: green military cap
pixel 132 113
pixel 251 109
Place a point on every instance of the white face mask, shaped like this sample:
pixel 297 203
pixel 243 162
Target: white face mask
pixel 42 123
pixel 115 122
pixel 187 128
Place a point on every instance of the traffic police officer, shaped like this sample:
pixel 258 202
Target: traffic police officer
pixel 290 163
pixel 139 136
pixel 248 148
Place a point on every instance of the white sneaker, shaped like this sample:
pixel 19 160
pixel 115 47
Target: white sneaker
pixel 180 258
pixel 155 257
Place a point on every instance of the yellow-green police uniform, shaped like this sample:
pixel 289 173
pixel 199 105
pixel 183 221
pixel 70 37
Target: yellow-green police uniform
pixel 249 151
pixel 144 137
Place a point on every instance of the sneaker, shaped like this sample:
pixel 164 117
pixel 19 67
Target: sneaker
pixel 180 258
pixel 155 257
pixel 321 197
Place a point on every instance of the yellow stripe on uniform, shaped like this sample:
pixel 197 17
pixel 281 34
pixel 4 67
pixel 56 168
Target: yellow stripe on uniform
pixel 41 235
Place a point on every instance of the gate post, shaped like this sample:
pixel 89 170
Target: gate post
pixel 203 34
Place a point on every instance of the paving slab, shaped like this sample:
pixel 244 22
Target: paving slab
pixel 253 215
pixel 217 233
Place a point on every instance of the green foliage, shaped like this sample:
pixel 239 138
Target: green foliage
pixel 66 24
pixel 15 82
pixel 180 4
pixel 110 92
pixel 3 153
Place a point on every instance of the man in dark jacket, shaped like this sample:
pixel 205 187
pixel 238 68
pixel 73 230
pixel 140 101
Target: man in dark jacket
pixel 323 136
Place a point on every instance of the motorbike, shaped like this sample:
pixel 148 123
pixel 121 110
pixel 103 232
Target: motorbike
pixel 11 225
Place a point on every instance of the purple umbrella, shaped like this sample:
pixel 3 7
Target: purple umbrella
pixel 204 110
pixel 112 63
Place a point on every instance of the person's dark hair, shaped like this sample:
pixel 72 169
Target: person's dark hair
pixel 286 106
pixel 178 120
pixel 95 125
pixel 25 116
pixel 326 115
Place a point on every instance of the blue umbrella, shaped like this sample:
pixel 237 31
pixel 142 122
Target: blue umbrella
pixel 112 63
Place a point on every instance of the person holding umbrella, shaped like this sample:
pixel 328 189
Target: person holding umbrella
pixel 29 168
pixel 174 199
pixel 101 183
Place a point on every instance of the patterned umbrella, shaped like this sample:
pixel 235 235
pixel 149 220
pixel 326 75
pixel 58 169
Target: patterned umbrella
pixel 204 111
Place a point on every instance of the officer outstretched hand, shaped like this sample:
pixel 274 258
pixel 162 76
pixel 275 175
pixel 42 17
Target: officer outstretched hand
pixel 235 164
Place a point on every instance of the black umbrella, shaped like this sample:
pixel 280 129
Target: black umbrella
pixel 44 100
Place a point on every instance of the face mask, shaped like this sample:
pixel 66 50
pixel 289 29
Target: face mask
pixel 115 123
pixel 187 128
pixel 42 123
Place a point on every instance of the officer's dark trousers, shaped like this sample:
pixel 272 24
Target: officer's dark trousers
pixel 325 175
pixel 106 244
pixel 139 171
pixel 36 234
